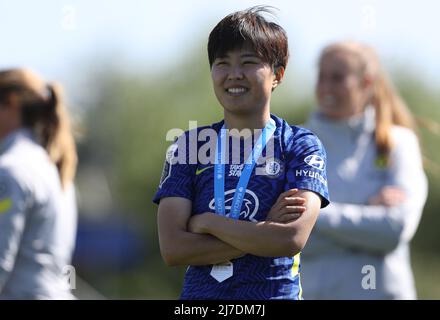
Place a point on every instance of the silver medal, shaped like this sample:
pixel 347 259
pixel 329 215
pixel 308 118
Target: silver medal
pixel 222 271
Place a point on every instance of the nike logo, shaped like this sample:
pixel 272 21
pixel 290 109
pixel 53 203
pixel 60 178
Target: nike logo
pixel 199 171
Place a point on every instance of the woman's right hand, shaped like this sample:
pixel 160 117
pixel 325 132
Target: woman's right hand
pixel 287 208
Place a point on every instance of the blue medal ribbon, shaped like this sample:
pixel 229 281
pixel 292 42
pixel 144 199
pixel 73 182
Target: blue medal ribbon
pixel 219 170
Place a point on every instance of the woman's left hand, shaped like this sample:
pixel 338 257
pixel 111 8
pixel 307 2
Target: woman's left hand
pixel 389 196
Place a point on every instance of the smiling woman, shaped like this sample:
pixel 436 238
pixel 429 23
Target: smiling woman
pixel 226 217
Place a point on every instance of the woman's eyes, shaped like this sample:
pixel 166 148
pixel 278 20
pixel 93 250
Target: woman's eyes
pixel 332 77
pixel 219 63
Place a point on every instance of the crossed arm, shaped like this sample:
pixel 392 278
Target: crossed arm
pixel 389 218
pixel 209 238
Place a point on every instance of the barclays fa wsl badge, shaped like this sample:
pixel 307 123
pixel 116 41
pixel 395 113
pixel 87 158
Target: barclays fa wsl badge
pixel 222 271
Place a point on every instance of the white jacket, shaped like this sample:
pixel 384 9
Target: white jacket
pixel 359 251
pixel 37 222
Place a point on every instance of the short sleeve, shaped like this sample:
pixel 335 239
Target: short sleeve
pixel 306 164
pixel 177 174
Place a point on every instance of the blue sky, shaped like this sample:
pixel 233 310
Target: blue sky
pixel 57 38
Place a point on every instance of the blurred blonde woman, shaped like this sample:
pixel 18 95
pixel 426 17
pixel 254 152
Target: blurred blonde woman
pixel 359 248
pixel 37 202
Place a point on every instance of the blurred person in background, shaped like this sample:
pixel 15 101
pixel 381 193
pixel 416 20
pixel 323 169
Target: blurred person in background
pixel 359 248
pixel 38 215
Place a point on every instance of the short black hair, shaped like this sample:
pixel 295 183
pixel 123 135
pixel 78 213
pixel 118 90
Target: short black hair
pixel 249 27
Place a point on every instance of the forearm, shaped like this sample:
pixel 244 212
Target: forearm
pixel 318 243
pixel 179 246
pixel 379 229
pixel 264 238
pixel 198 249
pixel 374 228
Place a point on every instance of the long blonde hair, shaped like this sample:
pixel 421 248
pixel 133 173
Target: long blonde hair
pixel 390 107
pixel 43 111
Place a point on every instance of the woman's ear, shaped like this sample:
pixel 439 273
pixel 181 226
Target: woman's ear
pixel 11 118
pixel 279 74
pixel 12 101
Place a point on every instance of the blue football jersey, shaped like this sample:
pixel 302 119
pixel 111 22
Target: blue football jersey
pixel 295 160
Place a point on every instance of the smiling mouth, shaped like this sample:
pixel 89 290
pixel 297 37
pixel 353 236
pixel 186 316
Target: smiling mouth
pixel 237 91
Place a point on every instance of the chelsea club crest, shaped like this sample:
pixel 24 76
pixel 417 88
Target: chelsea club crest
pixel 274 168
